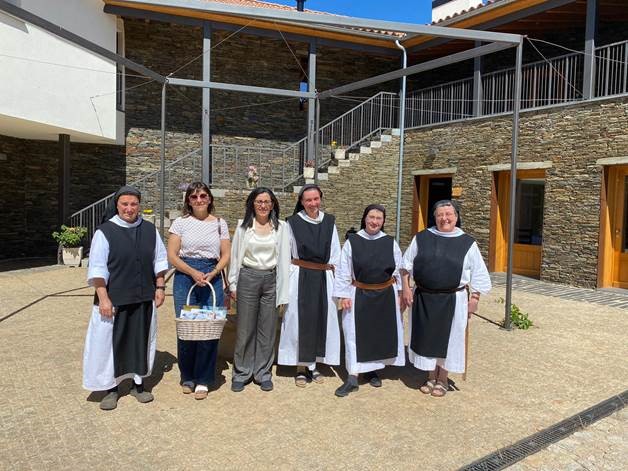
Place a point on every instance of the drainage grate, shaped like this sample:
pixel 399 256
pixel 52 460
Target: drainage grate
pixel 509 455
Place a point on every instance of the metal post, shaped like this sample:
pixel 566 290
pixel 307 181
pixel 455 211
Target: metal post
pixel 477 84
pixel 162 171
pixel 206 164
pixel 317 104
pixel 312 127
pixel 513 182
pixel 588 83
pixel 402 124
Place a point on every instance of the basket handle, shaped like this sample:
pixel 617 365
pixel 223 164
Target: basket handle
pixel 207 283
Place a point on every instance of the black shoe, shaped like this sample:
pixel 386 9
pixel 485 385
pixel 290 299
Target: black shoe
pixel 346 389
pixel 237 386
pixel 266 385
pixel 110 401
pixel 141 395
pixel 373 379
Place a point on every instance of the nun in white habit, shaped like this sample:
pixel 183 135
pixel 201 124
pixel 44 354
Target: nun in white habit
pixel 442 260
pixel 127 264
pixel 367 284
pixel 310 333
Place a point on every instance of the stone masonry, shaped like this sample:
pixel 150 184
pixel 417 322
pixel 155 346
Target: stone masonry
pixel 571 137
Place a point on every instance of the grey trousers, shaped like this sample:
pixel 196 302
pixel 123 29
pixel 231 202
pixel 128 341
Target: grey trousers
pixel 257 325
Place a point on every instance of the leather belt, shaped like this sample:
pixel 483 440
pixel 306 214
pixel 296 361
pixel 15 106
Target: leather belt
pixel 312 265
pixel 373 286
pixel 438 291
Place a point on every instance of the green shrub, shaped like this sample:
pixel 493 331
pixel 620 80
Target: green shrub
pixel 70 236
pixel 518 318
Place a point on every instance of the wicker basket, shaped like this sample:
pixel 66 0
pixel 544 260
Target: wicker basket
pixel 202 329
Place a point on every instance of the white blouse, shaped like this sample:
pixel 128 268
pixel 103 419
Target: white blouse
pixel 199 239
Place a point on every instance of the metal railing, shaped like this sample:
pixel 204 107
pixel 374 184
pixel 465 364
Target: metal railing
pixel 611 69
pixel 558 80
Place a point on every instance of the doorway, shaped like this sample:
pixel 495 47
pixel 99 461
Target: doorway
pixel 528 240
pixel 429 190
pixel 614 229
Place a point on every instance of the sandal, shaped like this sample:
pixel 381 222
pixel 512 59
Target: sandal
pixel 317 377
pixel 200 392
pixel 300 380
pixel 439 390
pixel 428 386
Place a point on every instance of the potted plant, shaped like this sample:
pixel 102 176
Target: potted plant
pixel 308 169
pixel 70 238
pixel 252 177
pixel 148 215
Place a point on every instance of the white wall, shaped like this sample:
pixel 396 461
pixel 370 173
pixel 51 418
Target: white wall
pixel 453 7
pixel 48 85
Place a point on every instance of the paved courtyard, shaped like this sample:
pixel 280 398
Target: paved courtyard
pixel 518 383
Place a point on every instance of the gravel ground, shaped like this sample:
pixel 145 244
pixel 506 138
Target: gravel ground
pixel 518 383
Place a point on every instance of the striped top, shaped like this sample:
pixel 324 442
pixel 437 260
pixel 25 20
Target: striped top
pixel 199 239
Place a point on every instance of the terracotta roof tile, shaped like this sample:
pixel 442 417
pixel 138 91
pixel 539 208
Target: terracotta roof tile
pixel 276 6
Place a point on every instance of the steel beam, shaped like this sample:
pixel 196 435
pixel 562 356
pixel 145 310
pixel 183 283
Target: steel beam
pixel 239 88
pixel 206 123
pixel 477 84
pixel 415 69
pixel 513 183
pixel 313 19
pixel 266 33
pixel 402 131
pixel 78 40
pixel 311 105
pixel 162 164
pixel 588 80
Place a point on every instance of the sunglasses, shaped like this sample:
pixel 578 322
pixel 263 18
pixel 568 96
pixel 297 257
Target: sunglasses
pixel 202 196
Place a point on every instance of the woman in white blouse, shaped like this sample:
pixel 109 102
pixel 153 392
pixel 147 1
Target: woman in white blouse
pixel 259 280
pixel 199 249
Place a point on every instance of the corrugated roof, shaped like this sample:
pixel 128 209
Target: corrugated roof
pixel 463 12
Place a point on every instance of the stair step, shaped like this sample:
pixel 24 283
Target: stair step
pixel 385 138
pixel 365 150
pixel 354 156
pixel 396 132
pixel 296 189
pixel 376 144
pixel 333 170
pixel 323 176
pixel 345 163
pixel 339 154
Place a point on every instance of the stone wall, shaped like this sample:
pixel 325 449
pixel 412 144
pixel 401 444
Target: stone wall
pixel 572 137
pixel 29 188
pixel 241 119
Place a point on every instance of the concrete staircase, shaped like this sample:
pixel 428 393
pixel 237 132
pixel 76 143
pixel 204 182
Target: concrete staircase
pixel 346 158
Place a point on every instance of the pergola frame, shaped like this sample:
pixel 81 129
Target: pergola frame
pixel 497 42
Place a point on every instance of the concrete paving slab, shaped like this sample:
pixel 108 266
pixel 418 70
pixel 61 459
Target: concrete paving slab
pixel 518 383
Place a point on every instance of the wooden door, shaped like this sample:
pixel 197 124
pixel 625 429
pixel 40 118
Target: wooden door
pixel 619 224
pixel 528 243
pixel 429 190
